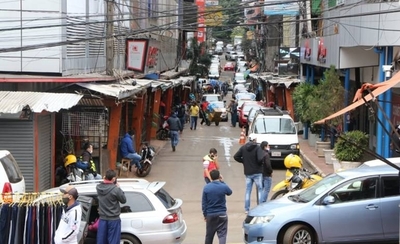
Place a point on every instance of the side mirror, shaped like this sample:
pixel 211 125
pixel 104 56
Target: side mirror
pixel 328 200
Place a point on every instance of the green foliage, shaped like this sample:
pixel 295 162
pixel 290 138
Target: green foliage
pixel 233 13
pixel 238 31
pixel 200 61
pixel 351 145
pixel 315 102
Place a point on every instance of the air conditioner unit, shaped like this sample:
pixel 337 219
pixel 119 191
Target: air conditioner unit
pixel 339 2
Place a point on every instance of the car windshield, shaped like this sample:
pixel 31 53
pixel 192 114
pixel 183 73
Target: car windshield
pixel 11 167
pixel 315 190
pixel 247 108
pixel 274 125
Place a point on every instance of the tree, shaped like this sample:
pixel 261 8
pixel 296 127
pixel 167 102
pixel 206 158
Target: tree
pixel 233 13
pixel 200 59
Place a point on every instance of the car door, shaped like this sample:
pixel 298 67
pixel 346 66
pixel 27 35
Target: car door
pixel 390 199
pixel 86 205
pixel 356 213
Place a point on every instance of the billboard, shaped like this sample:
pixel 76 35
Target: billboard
pixel 210 3
pixel 253 13
pixel 136 54
pixel 281 8
pixel 213 16
pixel 201 30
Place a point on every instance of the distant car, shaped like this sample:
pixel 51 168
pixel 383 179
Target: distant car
pixel 214 73
pixel 239 76
pixel 358 205
pixel 239 55
pixel 243 111
pixel 229 67
pixel 150 214
pixel 229 56
pixel 212 98
pixel 11 178
pixel 219 51
pixel 221 105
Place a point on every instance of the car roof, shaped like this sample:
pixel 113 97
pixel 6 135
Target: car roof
pixel 125 184
pixel 378 162
pixel 368 171
pixel 211 95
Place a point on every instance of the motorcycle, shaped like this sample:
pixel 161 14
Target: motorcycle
pixel 163 132
pixel 297 177
pixel 147 153
pixel 74 173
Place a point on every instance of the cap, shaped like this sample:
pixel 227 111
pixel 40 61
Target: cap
pixel 71 191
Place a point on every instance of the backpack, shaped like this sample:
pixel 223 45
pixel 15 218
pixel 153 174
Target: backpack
pixel 181 111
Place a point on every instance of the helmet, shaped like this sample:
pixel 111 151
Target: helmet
pixel 293 161
pixel 70 159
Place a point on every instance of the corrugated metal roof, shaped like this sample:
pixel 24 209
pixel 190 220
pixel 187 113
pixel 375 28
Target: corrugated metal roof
pixel 14 102
pixel 121 90
pixel 92 102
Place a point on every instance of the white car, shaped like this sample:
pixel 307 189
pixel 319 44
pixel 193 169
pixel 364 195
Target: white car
pixel 150 215
pixel 213 73
pixel 239 76
pixel 11 178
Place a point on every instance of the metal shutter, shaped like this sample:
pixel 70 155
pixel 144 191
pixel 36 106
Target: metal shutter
pixel 17 137
pixel 44 150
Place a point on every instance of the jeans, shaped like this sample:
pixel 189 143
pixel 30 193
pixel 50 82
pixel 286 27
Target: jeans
pixel 193 122
pixel 182 120
pixel 174 138
pixel 266 188
pixel 109 231
pixel 234 118
pixel 135 159
pixel 257 179
pixel 92 177
pixel 216 223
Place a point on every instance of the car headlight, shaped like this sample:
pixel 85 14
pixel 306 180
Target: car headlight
pixel 294 146
pixel 261 220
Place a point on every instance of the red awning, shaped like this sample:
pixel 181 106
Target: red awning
pixel 378 89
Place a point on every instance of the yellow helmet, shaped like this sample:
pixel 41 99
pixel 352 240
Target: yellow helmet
pixel 293 161
pixel 70 159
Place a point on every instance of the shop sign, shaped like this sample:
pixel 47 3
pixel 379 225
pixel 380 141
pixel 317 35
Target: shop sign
pixel 321 51
pixel 136 54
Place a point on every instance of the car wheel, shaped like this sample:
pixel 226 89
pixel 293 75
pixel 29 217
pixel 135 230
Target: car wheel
pixel 299 234
pixel 279 194
pixel 129 239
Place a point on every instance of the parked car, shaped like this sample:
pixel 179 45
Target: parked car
pixel 239 76
pixel 278 129
pixel 211 98
pixel 11 178
pixel 221 106
pixel 150 214
pixel 214 73
pixel 229 67
pixel 239 55
pixel 358 205
pixel 230 56
pixel 250 117
pixel 243 111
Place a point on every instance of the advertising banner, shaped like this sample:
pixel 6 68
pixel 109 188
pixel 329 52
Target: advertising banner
pixel 136 54
pixel 281 8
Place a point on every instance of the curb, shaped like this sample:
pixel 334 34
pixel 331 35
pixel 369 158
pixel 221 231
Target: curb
pixel 311 163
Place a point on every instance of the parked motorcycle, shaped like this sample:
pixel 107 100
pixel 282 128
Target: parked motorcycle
pixel 297 177
pixel 163 132
pixel 147 153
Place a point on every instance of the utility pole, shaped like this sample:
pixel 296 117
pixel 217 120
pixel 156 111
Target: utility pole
pixel 110 37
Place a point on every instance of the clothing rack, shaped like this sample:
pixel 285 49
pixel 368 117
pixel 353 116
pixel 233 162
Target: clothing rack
pixel 33 219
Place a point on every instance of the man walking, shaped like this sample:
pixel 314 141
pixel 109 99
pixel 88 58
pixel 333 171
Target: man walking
pixel 267 171
pixel 251 156
pixel 127 149
pixel 68 228
pixel 175 127
pixel 214 208
pixel 110 196
pixel 194 114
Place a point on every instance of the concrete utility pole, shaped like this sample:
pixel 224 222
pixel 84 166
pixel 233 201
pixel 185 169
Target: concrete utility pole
pixel 273 35
pixel 110 37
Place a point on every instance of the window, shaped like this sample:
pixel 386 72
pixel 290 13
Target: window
pixel 390 186
pixel 355 190
pixel 136 202
pixel 275 126
pixel 152 8
pixel 165 198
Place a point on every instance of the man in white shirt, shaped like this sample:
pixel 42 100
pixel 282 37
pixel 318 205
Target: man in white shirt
pixel 68 228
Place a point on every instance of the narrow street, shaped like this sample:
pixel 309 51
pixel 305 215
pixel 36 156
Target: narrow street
pixel 182 170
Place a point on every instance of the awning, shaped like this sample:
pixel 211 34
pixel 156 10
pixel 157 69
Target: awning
pixel 379 89
pixel 118 90
pixel 13 102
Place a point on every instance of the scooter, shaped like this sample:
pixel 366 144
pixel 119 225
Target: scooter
pixel 297 177
pixel 148 153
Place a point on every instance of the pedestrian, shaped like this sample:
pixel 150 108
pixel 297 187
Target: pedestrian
pixel 204 106
pixel 194 114
pixel 251 156
pixel 86 162
pixel 181 112
pixel 210 163
pixel 214 208
pixel 110 196
pixel 267 171
pixel 127 149
pixel 175 127
pixel 233 110
pixel 68 227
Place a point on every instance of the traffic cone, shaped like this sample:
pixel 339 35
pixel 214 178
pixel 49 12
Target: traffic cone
pixel 242 139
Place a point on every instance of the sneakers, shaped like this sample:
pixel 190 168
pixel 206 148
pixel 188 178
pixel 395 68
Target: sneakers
pixel 246 212
pixel 173 148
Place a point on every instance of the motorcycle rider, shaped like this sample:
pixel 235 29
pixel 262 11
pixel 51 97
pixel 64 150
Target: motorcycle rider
pixel 86 162
pixel 267 172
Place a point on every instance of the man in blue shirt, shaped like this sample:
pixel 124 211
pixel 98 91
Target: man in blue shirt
pixel 214 208
pixel 128 150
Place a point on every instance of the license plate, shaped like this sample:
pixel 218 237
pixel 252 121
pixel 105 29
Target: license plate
pixel 275 154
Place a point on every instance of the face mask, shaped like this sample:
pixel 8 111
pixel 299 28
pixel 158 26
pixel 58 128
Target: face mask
pixel 65 200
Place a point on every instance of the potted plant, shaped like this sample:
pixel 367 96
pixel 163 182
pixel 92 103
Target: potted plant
pixel 349 149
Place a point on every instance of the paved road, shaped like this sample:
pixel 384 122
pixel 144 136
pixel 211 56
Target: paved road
pixel 182 170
